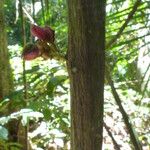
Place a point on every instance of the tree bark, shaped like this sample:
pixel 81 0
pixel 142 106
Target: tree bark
pixel 6 81
pixel 86 70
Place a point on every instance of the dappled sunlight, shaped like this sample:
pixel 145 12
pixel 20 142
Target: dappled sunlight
pixel 39 106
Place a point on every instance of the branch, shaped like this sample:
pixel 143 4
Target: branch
pixel 23 43
pixel 25 142
pixel 56 53
pixel 116 146
pixel 111 42
pixel 133 137
pixel 28 16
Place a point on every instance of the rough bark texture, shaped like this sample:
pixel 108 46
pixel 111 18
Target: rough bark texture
pixel 6 82
pixel 86 71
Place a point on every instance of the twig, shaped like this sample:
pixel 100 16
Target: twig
pixel 28 16
pixel 24 72
pixel 33 9
pixel 23 43
pixel 116 146
pixel 43 12
pixel 56 53
pixel 134 138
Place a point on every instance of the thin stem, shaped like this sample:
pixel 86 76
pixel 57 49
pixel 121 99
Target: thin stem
pixel 116 146
pixel 134 138
pixel 43 12
pixel 24 66
pixel 33 9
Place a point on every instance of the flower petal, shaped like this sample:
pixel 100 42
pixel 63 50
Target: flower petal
pixel 30 52
pixel 43 33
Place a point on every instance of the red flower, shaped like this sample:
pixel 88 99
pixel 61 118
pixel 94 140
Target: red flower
pixel 30 52
pixel 46 33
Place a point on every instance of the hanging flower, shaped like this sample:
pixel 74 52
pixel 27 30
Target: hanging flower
pixel 30 52
pixel 43 33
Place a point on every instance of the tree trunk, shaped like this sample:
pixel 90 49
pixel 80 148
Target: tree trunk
pixel 6 79
pixel 6 82
pixel 86 71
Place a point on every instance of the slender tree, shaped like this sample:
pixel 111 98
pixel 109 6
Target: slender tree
pixel 6 81
pixel 86 70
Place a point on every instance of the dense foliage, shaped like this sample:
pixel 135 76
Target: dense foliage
pixel 45 110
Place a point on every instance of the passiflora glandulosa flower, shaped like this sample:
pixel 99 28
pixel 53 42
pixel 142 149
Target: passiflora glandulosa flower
pixel 30 52
pixel 43 33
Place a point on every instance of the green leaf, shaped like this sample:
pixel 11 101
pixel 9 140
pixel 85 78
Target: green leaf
pixel 34 69
pixel 54 82
pixel 47 113
pixel 3 133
